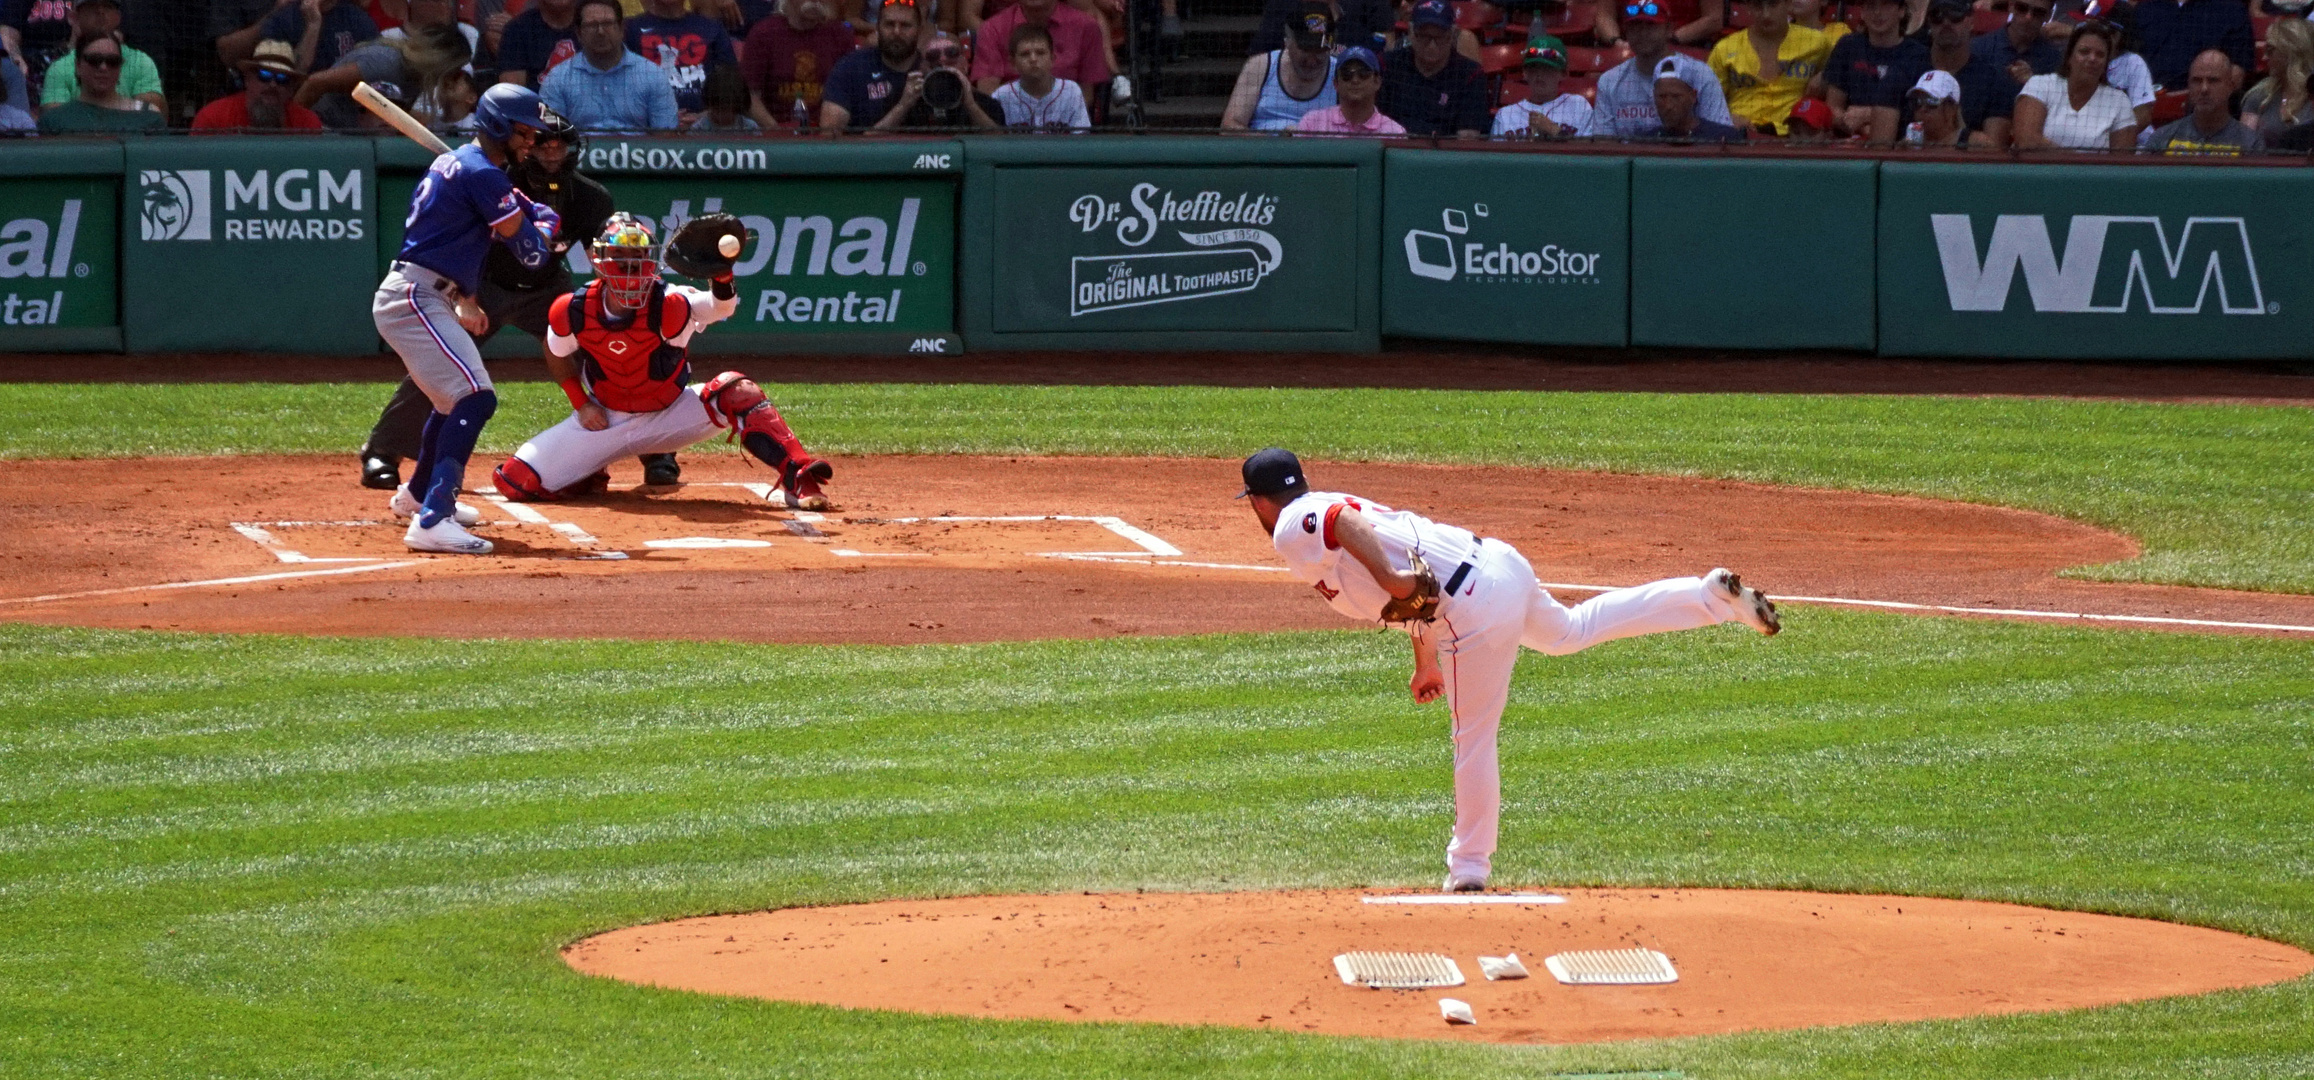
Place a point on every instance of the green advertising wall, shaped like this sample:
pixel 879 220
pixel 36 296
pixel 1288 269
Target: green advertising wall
pixel 1752 254
pixel 2057 261
pixel 1107 243
pixel 854 243
pixel 250 244
pixel 1506 247
pixel 1124 243
pixel 60 247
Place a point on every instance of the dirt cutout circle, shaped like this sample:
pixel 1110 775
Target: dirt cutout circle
pixel 1747 960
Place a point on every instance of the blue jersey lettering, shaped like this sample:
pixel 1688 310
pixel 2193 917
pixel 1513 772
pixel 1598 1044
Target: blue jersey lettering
pixel 456 205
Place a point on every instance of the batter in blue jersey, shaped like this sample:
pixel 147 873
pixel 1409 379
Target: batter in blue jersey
pixel 426 308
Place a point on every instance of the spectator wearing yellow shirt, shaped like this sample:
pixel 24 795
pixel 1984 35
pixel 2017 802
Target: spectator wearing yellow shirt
pixel 1810 13
pixel 1768 67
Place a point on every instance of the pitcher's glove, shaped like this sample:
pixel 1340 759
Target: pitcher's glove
pixel 696 249
pixel 1421 605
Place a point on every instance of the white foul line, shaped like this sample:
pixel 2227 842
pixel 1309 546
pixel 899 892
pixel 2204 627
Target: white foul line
pixel 2015 613
pixel 251 579
pixel 1134 559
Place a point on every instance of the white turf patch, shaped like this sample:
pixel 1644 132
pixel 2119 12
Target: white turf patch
pixel 1467 898
pixel 1397 970
pixel 1612 967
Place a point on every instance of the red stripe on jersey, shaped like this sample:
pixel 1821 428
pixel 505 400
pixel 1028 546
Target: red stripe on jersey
pixel 1333 512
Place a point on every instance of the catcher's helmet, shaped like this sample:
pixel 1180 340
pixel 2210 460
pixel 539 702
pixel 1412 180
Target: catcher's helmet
pixel 626 257
pixel 505 105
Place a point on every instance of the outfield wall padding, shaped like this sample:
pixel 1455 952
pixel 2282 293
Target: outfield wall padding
pixel 1107 243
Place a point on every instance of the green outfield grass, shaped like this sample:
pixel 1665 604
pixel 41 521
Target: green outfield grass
pixel 276 857
pixel 2221 495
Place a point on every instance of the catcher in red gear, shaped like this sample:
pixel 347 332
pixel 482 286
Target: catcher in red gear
pixel 620 348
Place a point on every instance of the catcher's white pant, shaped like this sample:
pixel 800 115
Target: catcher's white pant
pixel 567 453
pixel 1478 635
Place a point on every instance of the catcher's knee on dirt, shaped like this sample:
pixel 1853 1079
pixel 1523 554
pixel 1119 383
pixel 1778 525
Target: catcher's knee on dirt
pixel 519 482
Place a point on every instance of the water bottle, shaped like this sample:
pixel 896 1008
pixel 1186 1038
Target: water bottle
pixel 1915 134
pixel 803 115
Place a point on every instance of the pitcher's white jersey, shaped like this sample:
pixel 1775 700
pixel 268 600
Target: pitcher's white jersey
pixel 1305 536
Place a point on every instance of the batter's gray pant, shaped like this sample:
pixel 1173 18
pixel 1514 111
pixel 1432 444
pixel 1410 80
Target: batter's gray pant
pixel 417 318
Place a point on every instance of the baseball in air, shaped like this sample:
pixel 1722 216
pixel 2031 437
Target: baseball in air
pixel 729 246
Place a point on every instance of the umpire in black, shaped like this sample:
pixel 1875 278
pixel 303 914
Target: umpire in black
pixel 513 296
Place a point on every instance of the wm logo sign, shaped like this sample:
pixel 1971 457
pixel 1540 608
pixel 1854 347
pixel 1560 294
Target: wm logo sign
pixel 2112 264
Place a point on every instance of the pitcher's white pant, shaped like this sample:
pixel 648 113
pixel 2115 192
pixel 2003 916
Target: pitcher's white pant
pixel 567 453
pixel 1478 640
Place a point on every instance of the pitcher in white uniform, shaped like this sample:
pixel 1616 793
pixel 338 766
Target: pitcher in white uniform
pixel 1357 554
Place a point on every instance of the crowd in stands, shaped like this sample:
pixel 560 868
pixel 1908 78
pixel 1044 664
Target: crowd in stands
pixel 2171 76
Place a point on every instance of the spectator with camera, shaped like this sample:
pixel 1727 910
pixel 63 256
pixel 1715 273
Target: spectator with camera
pixel 269 79
pixel 1546 113
pixel 100 109
pixel 1625 108
pixel 2209 128
pixel 1080 46
pixel 1276 89
pixel 1676 93
pixel 607 87
pixel 787 58
pixel 939 95
pixel 867 82
pixel 1358 85
pixel 2074 108
pixel 1430 89
pixel 1039 99
pixel 1866 78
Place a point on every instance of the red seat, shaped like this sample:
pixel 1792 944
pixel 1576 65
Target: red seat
pixel 1497 59
pixel 1739 17
pixel 1989 21
pixel 1512 90
pixel 1575 19
pixel 2169 105
pixel 1692 51
pixel 1585 85
pixel 1476 15
pixel 2259 23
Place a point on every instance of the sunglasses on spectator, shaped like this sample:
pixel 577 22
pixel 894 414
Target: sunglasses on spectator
pixel 1354 73
pixel 268 75
pixel 1544 56
pixel 944 52
pixel 100 60
pixel 1647 7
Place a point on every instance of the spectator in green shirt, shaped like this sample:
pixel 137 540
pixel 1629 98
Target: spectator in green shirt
pixel 101 107
pixel 140 77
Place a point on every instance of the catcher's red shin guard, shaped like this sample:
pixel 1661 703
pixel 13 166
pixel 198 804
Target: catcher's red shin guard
pixel 766 435
pixel 519 482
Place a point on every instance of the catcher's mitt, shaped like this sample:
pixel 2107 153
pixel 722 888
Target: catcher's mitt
pixel 696 249
pixel 1421 605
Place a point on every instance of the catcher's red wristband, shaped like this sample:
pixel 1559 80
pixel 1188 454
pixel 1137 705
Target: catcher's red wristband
pixel 575 392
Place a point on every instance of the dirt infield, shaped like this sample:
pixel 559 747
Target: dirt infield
pixel 1107 547
pixel 1747 960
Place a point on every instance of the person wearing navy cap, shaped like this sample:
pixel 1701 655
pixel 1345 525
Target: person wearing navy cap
pixel 1358 80
pixel 1470 605
pixel 1428 87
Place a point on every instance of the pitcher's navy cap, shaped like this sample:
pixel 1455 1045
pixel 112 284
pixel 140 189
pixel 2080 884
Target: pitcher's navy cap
pixel 1273 472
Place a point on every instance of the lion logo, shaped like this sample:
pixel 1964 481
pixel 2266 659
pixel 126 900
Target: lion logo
pixel 175 205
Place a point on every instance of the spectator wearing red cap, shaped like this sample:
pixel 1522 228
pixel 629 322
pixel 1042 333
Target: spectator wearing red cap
pixel 1675 98
pixel 1625 106
pixel 1546 113
pixel 1429 88
pixel 1358 81
pixel 1810 121
pixel 1868 74
pixel 269 79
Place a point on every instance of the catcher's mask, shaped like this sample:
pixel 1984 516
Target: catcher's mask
pixel 627 260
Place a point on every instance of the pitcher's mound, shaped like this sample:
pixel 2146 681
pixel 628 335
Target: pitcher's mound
pixel 1747 960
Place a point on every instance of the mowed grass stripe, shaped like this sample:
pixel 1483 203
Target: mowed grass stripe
pixel 443 815
pixel 2221 495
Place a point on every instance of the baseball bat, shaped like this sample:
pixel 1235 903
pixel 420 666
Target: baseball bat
pixel 401 121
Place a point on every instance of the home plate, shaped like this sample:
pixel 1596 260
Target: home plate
pixel 1467 898
pixel 706 542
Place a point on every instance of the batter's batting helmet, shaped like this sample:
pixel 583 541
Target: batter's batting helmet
pixel 505 105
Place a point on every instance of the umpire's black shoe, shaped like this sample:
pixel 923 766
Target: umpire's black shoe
pixel 382 473
pixel 661 470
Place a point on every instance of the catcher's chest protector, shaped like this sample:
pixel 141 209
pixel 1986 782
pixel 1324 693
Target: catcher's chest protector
pixel 631 368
